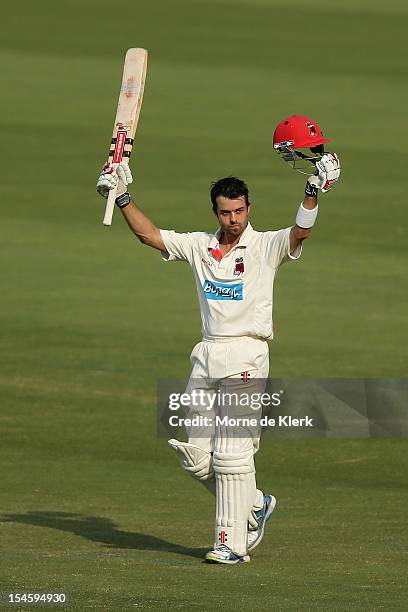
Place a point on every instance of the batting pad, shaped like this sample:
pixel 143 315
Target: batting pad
pixel 235 496
pixel 196 461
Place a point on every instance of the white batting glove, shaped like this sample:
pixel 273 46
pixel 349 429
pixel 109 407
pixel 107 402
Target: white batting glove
pixel 328 173
pixel 108 179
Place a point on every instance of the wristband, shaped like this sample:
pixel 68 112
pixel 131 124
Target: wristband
pixel 306 217
pixel 310 190
pixel 123 200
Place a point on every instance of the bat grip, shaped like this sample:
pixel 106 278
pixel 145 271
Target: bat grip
pixel 110 206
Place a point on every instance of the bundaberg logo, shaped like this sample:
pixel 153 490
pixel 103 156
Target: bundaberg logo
pixel 222 291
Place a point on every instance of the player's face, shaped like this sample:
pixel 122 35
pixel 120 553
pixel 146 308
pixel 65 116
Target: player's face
pixel 232 214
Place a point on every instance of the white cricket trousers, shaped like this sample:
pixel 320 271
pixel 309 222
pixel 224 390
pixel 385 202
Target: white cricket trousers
pixel 230 368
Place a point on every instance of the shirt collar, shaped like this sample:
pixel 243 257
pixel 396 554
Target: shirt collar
pixel 243 241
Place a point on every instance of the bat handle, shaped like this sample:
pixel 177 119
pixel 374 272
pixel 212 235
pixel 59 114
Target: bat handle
pixel 110 206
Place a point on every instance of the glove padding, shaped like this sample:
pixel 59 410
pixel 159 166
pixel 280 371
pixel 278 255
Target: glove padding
pixel 109 178
pixel 328 169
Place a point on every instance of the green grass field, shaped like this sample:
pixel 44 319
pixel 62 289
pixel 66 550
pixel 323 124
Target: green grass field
pixel 92 503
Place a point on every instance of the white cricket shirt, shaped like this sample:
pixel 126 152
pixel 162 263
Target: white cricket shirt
pixel 235 291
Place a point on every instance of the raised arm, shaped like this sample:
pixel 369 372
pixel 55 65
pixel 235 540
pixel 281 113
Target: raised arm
pixel 299 233
pixel 140 225
pixel 328 172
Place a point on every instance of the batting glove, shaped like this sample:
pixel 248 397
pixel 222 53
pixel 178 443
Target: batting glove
pixel 108 179
pixel 328 172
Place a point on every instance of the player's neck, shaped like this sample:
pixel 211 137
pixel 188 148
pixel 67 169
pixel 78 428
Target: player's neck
pixel 228 241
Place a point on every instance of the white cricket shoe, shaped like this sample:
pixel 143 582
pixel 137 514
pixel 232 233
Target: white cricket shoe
pixel 262 516
pixel 223 554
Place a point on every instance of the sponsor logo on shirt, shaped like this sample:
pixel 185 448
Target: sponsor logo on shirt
pixel 222 291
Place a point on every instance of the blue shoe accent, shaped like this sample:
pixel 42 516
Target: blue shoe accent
pixel 263 515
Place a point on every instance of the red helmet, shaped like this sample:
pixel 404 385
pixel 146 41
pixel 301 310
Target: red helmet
pixel 298 132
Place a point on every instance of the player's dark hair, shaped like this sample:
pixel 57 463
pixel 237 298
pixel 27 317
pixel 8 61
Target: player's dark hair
pixel 229 187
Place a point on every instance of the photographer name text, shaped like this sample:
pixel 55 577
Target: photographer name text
pixel 226 421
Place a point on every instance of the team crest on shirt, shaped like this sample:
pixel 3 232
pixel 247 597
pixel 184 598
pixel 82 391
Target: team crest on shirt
pixel 239 266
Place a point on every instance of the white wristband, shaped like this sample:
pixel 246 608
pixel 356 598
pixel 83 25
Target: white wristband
pixel 306 217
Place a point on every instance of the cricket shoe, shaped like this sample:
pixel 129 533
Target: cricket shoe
pixel 262 516
pixel 223 554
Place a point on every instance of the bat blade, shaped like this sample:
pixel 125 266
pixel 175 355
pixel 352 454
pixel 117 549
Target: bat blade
pixel 127 116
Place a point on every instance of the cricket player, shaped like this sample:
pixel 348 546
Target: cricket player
pixel 234 270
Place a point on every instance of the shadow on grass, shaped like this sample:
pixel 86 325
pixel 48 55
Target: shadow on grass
pixel 101 530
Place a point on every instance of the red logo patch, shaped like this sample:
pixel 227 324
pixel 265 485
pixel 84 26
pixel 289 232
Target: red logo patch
pixel 222 536
pixel 312 128
pixel 239 266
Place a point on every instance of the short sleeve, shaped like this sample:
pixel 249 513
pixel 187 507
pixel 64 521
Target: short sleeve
pixel 278 247
pixel 178 246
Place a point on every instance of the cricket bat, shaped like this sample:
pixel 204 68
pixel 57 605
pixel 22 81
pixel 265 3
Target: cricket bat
pixel 127 116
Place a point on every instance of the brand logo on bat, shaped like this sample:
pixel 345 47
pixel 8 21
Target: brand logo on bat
pixel 131 90
pixel 120 144
pixel 222 291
